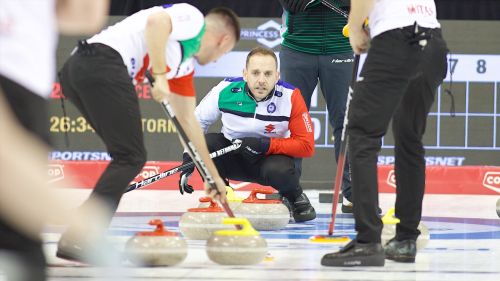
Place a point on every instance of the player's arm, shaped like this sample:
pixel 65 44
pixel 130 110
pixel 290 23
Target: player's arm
pixel 301 140
pixel 186 106
pixel 183 102
pixel 358 37
pixel 156 33
pixel 206 113
pixel 75 17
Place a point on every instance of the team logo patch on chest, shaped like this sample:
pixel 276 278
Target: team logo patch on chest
pixel 271 108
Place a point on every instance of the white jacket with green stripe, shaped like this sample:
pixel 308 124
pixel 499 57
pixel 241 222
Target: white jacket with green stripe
pixel 282 116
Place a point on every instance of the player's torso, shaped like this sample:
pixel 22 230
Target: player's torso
pixel 127 37
pixel 242 116
pixel 317 30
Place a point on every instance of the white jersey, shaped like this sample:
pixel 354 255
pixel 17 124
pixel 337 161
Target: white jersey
pixel 282 116
pixel 127 37
pixel 28 42
pixel 391 14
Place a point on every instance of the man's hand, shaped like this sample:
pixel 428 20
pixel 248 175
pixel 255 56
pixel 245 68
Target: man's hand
pixel 218 194
pixel 160 88
pixel 358 36
pixel 294 6
pixel 183 180
pixel 359 39
pixel 253 149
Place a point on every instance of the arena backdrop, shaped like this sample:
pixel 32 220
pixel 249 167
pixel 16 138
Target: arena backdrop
pixel 470 137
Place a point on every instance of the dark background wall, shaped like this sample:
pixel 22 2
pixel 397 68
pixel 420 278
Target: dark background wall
pixel 447 9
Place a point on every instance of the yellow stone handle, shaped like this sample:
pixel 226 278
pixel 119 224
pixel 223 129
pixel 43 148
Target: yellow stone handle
pixel 345 30
pixel 389 218
pixel 231 196
pixel 246 228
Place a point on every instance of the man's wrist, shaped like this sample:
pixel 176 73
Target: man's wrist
pixel 158 73
pixel 355 27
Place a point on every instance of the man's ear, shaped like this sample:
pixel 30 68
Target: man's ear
pixel 224 40
pixel 245 73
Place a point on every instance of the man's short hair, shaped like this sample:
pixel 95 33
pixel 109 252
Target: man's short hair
pixel 262 51
pixel 229 18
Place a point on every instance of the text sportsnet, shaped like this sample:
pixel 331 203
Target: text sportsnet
pixel 429 160
pixel 79 156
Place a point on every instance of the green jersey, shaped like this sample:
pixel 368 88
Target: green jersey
pixel 317 30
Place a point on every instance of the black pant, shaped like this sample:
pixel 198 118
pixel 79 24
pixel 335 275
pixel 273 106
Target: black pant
pixel 274 170
pixel 29 108
pixel 334 72
pixel 31 112
pixel 398 81
pixel 97 82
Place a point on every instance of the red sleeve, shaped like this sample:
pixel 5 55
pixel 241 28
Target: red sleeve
pixel 301 140
pixel 183 86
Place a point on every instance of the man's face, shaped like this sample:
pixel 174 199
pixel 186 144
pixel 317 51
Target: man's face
pixel 213 47
pixel 261 75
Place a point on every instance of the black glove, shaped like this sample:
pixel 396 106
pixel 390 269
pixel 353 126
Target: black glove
pixel 183 180
pixel 294 6
pixel 253 149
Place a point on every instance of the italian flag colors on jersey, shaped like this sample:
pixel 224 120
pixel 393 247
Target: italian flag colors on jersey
pixel 282 116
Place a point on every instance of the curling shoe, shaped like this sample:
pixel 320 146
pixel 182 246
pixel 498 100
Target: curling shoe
pixel 356 254
pixel 300 209
pixel 401 251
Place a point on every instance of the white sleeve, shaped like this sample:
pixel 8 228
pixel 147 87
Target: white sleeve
pixel 207 112
pixel 187 21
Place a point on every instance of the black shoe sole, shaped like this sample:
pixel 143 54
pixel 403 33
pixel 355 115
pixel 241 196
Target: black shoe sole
pixel 404 259
pixel 304 218
pixel 355 261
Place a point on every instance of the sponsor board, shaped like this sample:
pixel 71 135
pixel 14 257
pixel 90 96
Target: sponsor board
pixel 391 178
pixel 429 160
pixel 439 179
pixel 147 171
pixel 449 179
pixel 267 34
pixel 55 172
pixel 79 155
pixel 491 181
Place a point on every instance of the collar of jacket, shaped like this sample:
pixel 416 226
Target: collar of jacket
pixel 247 91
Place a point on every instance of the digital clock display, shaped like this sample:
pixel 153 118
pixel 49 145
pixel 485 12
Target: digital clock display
pixel 62 124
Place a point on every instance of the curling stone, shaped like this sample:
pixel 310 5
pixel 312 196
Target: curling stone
pixel 389 230
pixel 157 248
pixel 199 223
pixel 236 247
pixel 233 200
pixel 498 207
pixel 264 214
